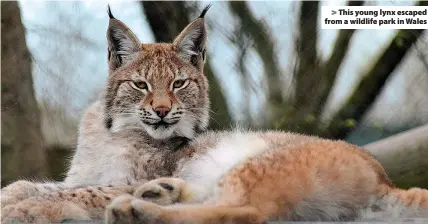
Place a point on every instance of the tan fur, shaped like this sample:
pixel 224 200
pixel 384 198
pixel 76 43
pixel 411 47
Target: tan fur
pixel 317 181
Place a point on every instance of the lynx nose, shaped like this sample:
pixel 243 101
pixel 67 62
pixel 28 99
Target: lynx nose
pixel 162 111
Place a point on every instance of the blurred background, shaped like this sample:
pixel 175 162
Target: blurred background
pixel 270 66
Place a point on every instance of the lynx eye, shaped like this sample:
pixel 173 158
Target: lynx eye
pixel 140 85
pixel 178 83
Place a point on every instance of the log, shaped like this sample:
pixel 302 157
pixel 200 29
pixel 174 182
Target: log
pixel 404 156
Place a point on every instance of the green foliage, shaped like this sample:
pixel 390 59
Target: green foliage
pixel 350 123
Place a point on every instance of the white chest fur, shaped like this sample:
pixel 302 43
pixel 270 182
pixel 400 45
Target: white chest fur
pixel 204 171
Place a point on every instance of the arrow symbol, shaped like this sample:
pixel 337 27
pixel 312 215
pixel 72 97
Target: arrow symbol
pixel 333 12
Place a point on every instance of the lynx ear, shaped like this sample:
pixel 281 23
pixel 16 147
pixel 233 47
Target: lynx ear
pixel 191 43
pixel 122 43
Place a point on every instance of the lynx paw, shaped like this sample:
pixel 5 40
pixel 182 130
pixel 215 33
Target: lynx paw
pixel 128 209
pixel 163 191
pixel 35 211
pixel 17 192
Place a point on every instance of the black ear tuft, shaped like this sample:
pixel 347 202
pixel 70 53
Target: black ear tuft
pixel 110 15
pixel 122 44
pixel 108 122
pixel 205 11
pixel 191 42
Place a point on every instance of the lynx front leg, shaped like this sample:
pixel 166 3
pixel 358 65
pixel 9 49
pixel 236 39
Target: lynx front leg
pixel 164 191
pixel 35 211
pixel 74 204
pixel 23 189
pixel 128 209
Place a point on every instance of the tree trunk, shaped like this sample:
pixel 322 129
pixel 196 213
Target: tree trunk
pixel 297 115
pixel 22 142
pixel 167 19
pixel 404 157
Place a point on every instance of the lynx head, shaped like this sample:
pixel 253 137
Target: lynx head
pixel 159 88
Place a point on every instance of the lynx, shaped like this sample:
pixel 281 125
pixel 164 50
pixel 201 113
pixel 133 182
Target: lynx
pixel 155 101
pixel 224 177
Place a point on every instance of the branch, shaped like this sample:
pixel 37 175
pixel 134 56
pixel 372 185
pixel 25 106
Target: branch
pixel 371 85
pixel 264 46
pixel 404 156
pixel 313 79
pixel 167 19
pixel 243 45
pixel 328 71
pixel 306 47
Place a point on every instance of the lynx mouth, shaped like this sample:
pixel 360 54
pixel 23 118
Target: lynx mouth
pixel 161 124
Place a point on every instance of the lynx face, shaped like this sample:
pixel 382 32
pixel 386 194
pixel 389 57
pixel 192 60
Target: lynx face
pixel 159 88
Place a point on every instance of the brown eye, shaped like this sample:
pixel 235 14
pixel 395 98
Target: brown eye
pixel 178 83
pixel 141 85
